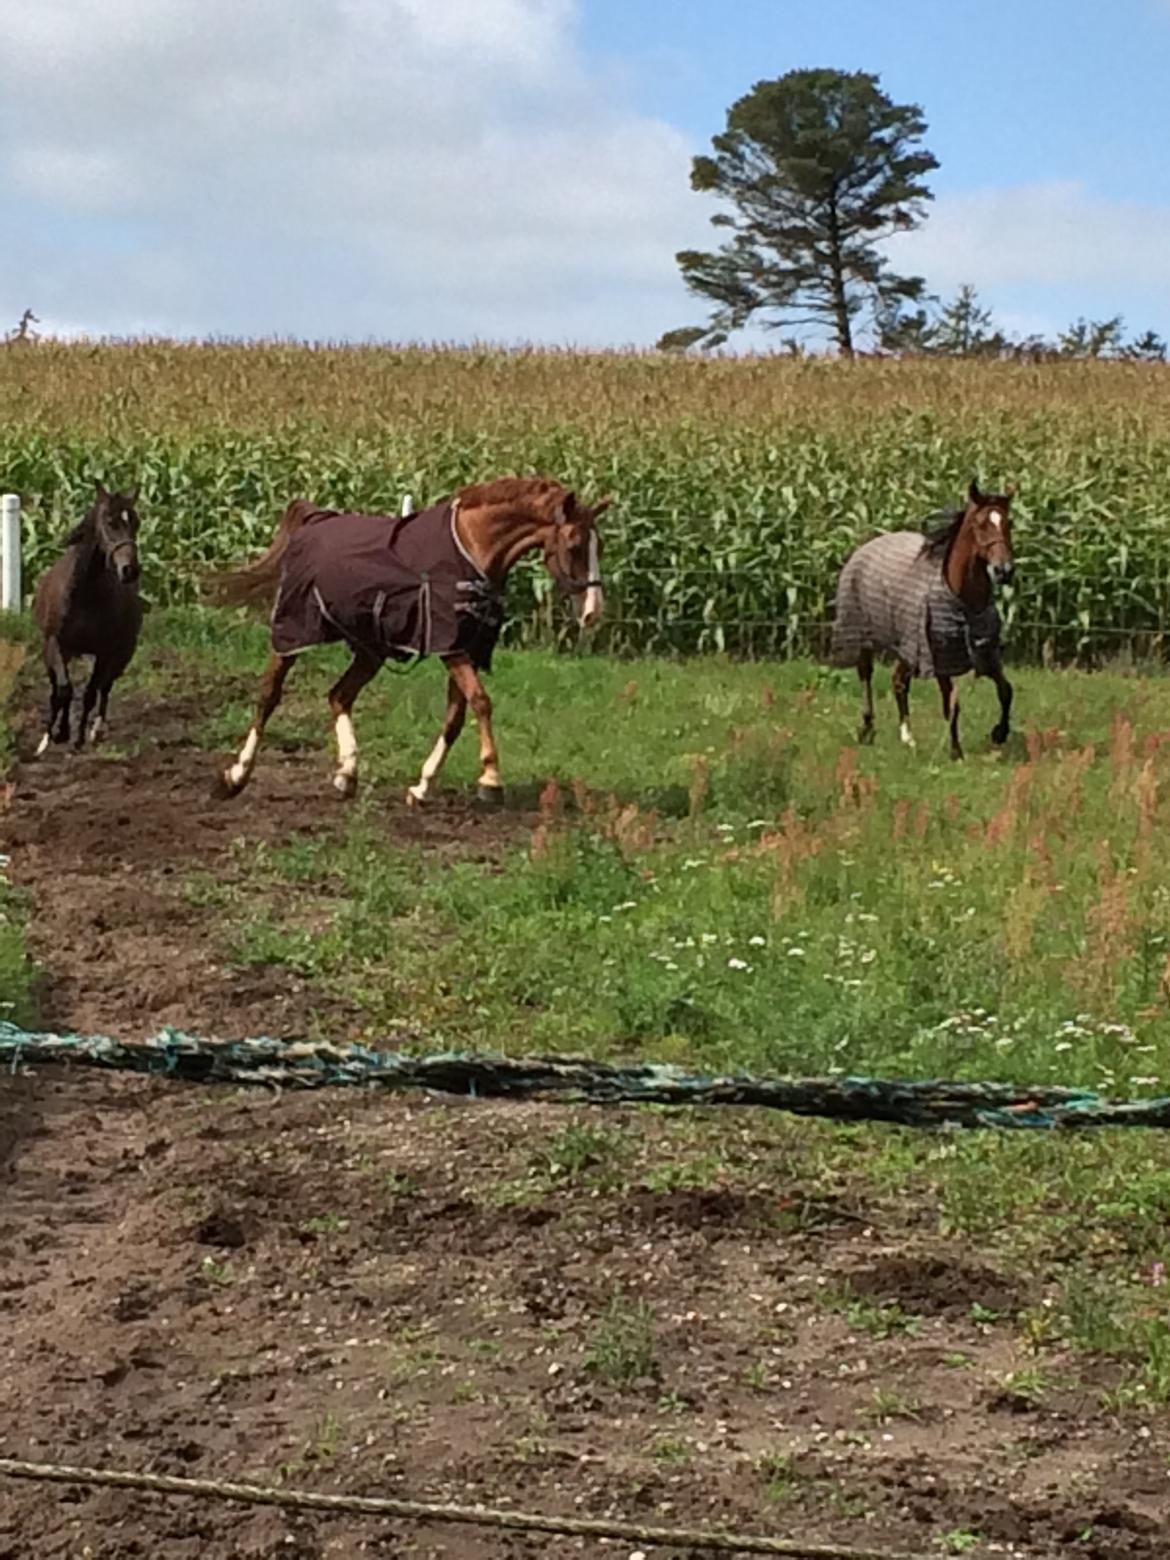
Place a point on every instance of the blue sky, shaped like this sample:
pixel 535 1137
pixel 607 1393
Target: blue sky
pixel 518 169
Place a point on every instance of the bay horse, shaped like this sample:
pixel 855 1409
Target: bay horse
pixel 928 602
pixel 402 588
pixel 87 603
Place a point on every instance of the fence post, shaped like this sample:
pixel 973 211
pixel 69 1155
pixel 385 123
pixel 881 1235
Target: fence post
pixel 407 504
pixel 11 596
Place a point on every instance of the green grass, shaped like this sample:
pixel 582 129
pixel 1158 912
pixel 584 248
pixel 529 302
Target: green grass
pixel 724 879
pixel 17 1005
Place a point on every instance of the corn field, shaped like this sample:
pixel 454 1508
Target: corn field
pixel 740 485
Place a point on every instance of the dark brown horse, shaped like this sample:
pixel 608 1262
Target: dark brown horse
pixel 927 602
pixel 87 603
pixel 402 588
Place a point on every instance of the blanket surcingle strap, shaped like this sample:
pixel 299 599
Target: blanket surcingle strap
pixel 394 587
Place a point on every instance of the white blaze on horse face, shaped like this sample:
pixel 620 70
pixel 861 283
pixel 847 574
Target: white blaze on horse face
pixel 996 519
pixel 594 602
pixel 346 753
pixel 430 769
pixel 242 767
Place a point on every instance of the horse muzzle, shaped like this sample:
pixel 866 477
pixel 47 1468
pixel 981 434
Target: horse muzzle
pixel 128 572
pixel 1001 573
pixel 592 607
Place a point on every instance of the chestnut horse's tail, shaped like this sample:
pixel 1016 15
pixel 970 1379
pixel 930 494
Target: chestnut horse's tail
pixel 254 584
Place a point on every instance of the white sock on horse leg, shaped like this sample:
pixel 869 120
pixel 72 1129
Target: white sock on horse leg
pixel 43 744
pixel 906 734
pixel 242 767
pixel 434 762
pixel 346 752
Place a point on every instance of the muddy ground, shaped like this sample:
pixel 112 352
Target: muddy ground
pixel 582 1311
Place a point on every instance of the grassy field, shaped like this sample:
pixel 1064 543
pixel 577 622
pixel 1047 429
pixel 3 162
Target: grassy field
pixel 740 485
pixel 717 874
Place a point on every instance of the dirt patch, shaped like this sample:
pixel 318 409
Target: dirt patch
pixel 930 1285
pixel 106 848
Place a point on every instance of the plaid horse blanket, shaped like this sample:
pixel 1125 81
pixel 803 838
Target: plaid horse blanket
pixel 892 599
pixel 391 587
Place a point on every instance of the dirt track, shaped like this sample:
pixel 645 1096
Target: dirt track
pixel 399 1296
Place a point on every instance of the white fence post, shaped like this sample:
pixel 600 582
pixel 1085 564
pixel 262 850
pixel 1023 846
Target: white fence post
pixel 407 504
pixel 11 597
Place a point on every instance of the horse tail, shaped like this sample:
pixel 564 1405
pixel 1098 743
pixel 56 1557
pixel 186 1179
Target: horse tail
pixel 254 583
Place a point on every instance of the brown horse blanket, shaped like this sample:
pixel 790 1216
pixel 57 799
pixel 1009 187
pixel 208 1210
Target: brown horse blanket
pixel 391 587
pixel 892 599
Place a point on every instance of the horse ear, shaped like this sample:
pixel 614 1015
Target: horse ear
pixel 134 492
pixel 601 507
pixel 101 492
pixel 1010 491
pixel 973 493
pixel 566 510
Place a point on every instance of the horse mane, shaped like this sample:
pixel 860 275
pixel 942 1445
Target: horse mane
pixel 538 493
pixel 937 541
pixel 83 531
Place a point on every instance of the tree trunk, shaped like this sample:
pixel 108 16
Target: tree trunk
pixel 837 285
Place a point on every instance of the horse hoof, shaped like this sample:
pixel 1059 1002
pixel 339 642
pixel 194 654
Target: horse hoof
pixel 490 795
pixel 865 736
pixel 999 736
pixel 415 798
pixel 345 786
pixel 224 789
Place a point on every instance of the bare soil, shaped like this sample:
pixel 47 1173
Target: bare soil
pixel 433 1298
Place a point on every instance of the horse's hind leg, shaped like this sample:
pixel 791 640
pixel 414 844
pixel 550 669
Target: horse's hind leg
pixel 453 719
pixel 902 678
pixel 341 700
pixel 950 708
pixel 236 776
pixel 467 680
pixel 865 673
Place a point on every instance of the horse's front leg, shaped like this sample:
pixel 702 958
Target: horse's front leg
pixel 453 719
pixel 999 732
pixel 950 707
pixel 467 680
pixel 341 701
pixel 60 697
pixel 902 679
pixel 89 699
pixel 236 776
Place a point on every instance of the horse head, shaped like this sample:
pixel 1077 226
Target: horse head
pixel 987 521
pixel 115 531
pixel 572 554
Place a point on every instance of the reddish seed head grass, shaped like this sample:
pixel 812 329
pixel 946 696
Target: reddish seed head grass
pixel 1109 930
pixel 700 785
pixel 1002 825
pixel 901 820
pixel 855 792
pixel 1121 753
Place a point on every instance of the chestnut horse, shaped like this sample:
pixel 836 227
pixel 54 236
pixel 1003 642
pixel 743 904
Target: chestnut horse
pixel 928 602
pixel 401 588
pixel 87 603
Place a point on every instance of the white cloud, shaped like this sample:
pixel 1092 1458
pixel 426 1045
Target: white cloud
pixel 402 168
pixel 1028 244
